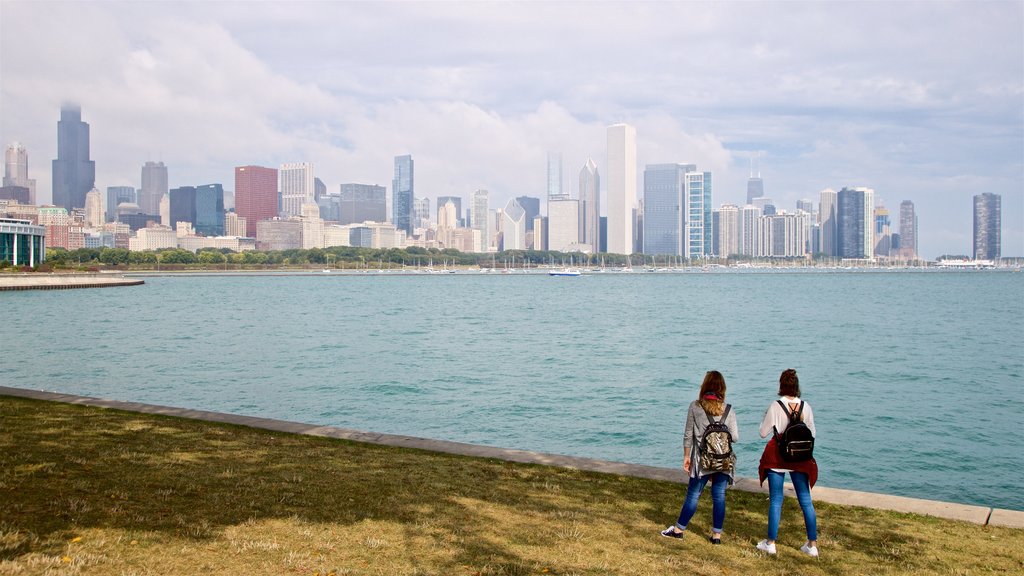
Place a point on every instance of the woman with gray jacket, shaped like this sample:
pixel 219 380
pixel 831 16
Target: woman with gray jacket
pixel 710 404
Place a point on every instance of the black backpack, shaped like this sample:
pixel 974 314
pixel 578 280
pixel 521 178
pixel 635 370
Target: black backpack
pixel 796 443
pixel 715 448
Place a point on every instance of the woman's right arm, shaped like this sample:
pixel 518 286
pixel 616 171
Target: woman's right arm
pixel 768 422
pixel 688 438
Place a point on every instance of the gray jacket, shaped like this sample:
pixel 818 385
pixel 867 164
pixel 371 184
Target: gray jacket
pixel 696 422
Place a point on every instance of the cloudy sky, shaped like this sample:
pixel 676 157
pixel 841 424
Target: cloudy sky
pixel 920 101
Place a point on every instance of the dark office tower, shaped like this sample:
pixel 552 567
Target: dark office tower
pixel 532 207
pixel 209 219
pixel 908 230
pixel 154 187
pixel 457 201
pixel 755 188
pixel 855 214
pixel 256 195
pixel 402 194
pixel 319 189
pixel 987 224
pixel 118 195
pixel 362 203
pixel 665 208
pixel 74 175
pixel 183 205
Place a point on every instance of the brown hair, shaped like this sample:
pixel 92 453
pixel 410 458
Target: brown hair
pixel 714 383
pixel 789 384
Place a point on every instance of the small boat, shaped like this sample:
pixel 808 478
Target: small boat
pixel 564 272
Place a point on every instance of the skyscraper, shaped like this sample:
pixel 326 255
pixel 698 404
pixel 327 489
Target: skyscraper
pixel 74 174
pixel 183 205
pixel 513 227
pixel 855 211
pixel 987 226
pixel 665 208
pixel 908 231
pixel 563 224
pixel 621 187
pixel 883 232
pixel 255 195
pixel 363 203
pixel 755 188
pixel 457 202
pixel 725 222
pixel 119 195
pixel 209 207
pixel 827 223
pixel 748 229
pixel 421 213
pixel 154 187
pixel 590 206
pixel 698 215
pixel 93 208
pixel 555 191
pixel 297 186
pixel 402 190
pixel 16 170
pixel 480 206
pixel 531 205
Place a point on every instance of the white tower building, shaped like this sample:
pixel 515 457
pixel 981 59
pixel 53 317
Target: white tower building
pixel 297 187
pixel 621 187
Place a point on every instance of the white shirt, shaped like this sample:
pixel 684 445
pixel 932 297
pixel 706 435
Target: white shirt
pixel 777 417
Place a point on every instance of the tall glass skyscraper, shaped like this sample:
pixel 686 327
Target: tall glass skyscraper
pixel 987 226
pixel 209 206
pixel 555 191
pixel 908 230
pixel 183 205
pixel 480 206
pixel 532 207
pixel 698 215
pixel 363 203
pixel 855 214
pixel 402 190
pixel 74 174
pixel 664 208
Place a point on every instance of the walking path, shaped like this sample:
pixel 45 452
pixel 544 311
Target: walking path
pixel 977 514
pixel 64 281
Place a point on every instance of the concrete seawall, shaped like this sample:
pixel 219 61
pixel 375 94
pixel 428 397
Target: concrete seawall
pixel 63 281
pixel 982 515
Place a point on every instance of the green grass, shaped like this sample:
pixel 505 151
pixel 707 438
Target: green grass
pixel 93 491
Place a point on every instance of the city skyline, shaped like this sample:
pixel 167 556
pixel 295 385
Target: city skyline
pixel 937 124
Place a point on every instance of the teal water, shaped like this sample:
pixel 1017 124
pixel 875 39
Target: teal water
pixel 915 378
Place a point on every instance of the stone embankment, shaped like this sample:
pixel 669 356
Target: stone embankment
pixel 982 515
pixel 63 281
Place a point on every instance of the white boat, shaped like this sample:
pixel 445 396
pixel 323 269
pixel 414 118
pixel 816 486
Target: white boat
pixel 564 272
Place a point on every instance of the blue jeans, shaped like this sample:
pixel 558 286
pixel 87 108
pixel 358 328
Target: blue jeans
pixel 719 481
pixel 803 496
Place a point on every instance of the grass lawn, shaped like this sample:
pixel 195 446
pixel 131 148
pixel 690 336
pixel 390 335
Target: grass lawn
pixel 94 491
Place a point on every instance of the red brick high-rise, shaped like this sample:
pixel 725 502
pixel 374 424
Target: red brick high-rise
pixel 255 195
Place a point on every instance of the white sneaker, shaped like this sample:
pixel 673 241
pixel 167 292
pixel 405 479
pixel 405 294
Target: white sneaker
pixel 764 546
pixel 811 551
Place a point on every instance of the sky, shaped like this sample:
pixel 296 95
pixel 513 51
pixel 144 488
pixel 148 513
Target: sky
pixel 919 101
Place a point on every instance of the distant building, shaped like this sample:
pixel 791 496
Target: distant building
pixel 312 227
pixel 421 213
pixel 725 223
pixel 828 223
pixel 748 230
pixel 20 194
pixel 94 208
pixel 183 205
pixel 255 195
pixel 402 191
pixel 457 202
pixel 209 215
pixel 154 187
pixel 74 174
pixel 855 228
pixel 783 235
pixel 590 206
pixel 235 225
pixel 16 171
pixel 665 208
pixel 883 232
pixel 118 195
pixel 987 226
pixel 21 242
pixel 362 203
pixel 153 238
pixel 563 225
pixel 330 207
pixel 698 215
pixel 513 227
pixel 554 178
pixel 480 206
pixel 755 188
pixel 278 234
pixel 621 147
pixel 908 231
pixel 531 206
pixel 297 186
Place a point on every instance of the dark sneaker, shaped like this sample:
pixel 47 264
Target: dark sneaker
pixel 715 540
pixel 672 532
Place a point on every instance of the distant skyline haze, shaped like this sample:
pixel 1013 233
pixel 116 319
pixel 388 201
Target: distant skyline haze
pixel 919 101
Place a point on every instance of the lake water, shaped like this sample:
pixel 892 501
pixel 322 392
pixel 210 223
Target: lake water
pixel 915 377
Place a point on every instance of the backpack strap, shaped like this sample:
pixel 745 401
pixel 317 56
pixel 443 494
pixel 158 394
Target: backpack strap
pixel 793 416
pixel 726 413
pixel 800 412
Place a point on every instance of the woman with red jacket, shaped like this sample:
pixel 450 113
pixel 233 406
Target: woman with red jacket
pixel 804 474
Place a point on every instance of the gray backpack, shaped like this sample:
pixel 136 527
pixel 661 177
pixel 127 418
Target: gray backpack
pixel 715 447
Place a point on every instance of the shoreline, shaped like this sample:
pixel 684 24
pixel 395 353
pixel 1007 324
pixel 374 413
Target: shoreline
pixel 64 281
pixel 981 515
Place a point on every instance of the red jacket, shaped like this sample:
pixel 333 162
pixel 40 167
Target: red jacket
pixel 770 459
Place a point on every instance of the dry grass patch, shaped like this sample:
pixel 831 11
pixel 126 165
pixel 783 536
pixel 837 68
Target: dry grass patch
pixel 93 491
